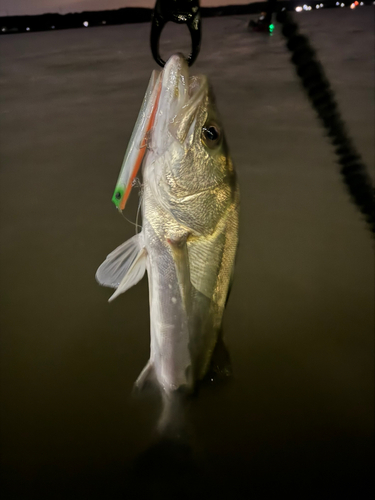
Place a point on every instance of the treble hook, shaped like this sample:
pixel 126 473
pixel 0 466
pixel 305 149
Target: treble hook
pixel 181 12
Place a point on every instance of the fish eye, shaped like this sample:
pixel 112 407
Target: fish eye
pixel 211 135
pixel 118 195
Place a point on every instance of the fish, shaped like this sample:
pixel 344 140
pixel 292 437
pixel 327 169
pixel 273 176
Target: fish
pixel 190 223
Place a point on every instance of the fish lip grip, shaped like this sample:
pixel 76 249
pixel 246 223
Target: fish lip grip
pixel 181 12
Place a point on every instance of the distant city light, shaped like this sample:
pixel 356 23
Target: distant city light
pixel 3 29
pixel 361 3
pixel 322 5
pixel 85 24
pixel 342 5
pixel 337 3
pixel 52 27
pixel 317 6
pixel 299 9
pixel 104 22
pixel 27 29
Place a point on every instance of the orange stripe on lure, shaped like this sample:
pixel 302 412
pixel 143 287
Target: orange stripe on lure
pixel 137 145
pixel 141 154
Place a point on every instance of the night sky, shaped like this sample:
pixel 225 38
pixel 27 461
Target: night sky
pixel 25 7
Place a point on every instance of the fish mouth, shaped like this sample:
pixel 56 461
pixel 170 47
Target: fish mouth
pixel 180 97
pixel 166 116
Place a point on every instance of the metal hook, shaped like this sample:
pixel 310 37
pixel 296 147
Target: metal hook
pixel 181 12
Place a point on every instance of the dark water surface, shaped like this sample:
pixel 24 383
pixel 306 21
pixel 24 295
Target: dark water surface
pixel 297 416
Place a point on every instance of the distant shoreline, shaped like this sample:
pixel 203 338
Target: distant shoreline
pixel 127 15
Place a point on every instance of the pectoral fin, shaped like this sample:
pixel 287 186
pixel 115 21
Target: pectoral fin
pixel 124 267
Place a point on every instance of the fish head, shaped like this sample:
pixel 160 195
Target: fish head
pixel 188 150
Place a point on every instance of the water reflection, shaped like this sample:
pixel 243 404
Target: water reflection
pixel 168 469
pixel 173 423
pixel 172 466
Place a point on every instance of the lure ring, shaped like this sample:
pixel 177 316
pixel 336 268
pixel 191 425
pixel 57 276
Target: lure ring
pixel 180 12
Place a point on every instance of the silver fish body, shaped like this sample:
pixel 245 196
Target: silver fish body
pixel 188 242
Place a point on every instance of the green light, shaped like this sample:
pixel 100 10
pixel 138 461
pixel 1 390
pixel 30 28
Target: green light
pixel 271 27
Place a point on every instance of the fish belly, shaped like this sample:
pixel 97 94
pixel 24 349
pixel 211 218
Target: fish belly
pixel 169 329
pixel 184 331
pixel 183 336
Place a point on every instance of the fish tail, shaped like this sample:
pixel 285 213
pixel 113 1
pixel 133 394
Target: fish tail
pixel 172 423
